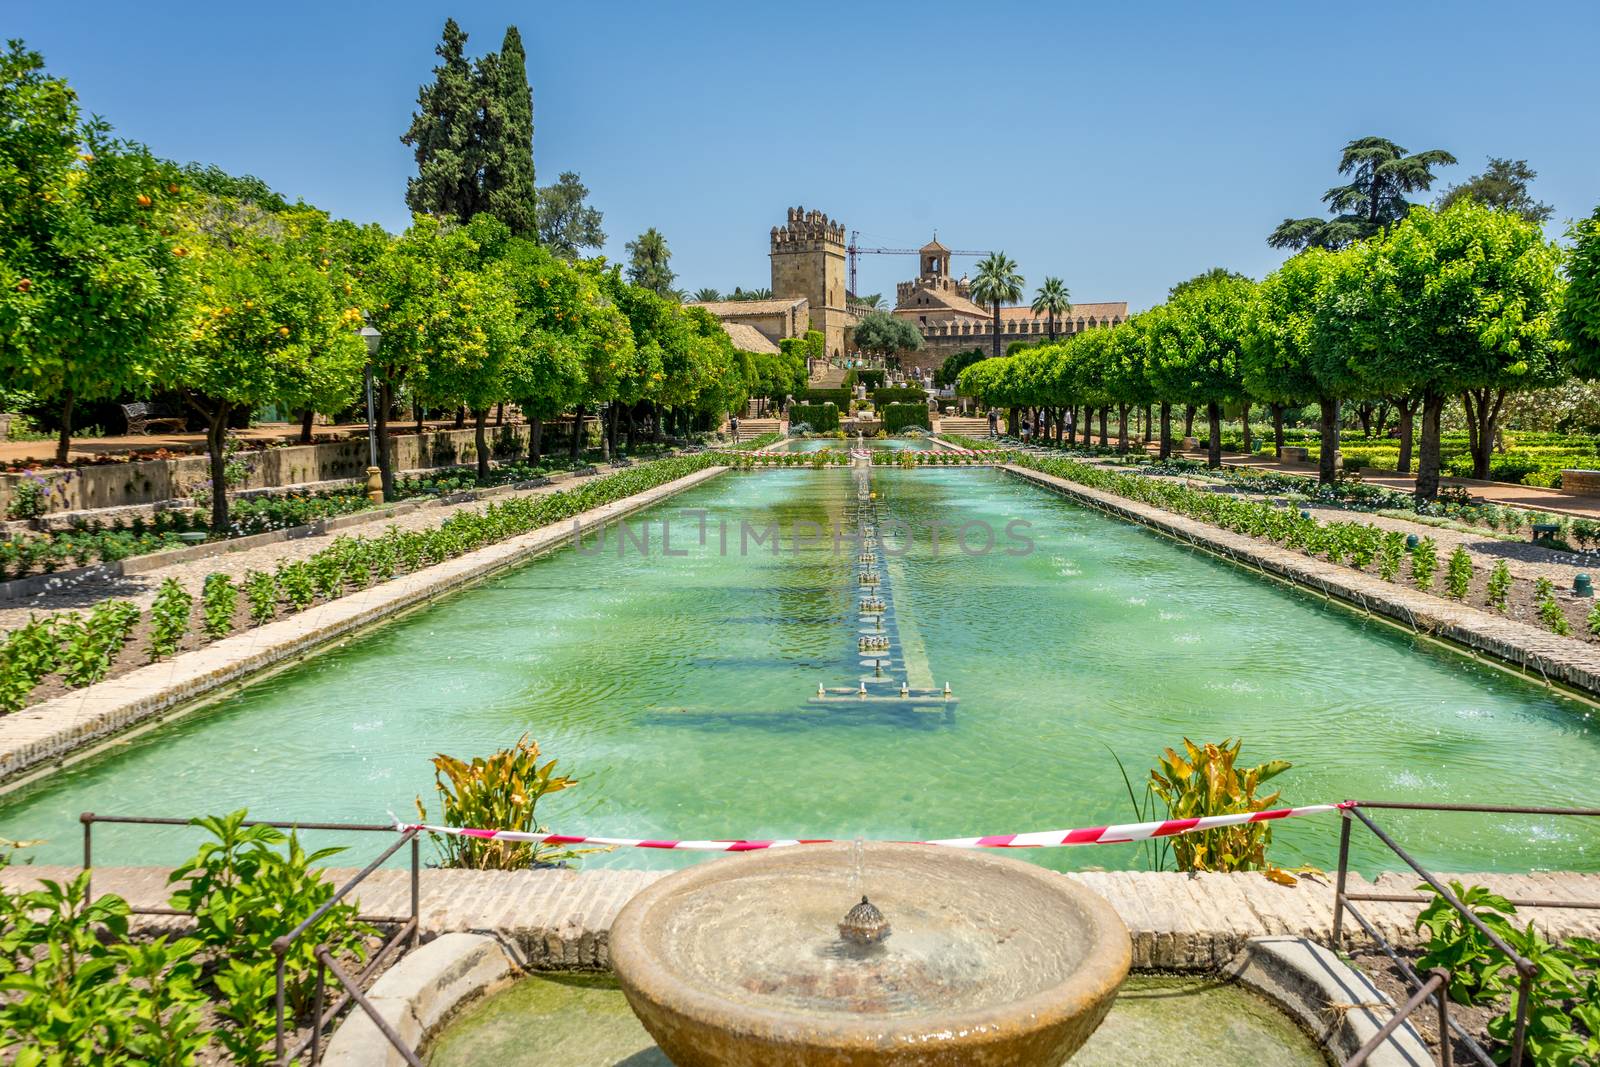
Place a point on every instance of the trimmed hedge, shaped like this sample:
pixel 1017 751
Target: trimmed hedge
pixel 822 418
pixel 900 394
pixel 900 417
pixel 871 377
pixel 837 397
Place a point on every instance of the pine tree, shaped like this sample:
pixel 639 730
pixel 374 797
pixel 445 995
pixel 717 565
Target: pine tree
pixel 445 135
pixel 509 193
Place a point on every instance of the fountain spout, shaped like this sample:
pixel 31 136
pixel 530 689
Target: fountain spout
pixel 864 924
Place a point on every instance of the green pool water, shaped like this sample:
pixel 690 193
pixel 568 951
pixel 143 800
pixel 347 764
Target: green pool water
pixel 679 689
pixel 581 1020
pixel 824 444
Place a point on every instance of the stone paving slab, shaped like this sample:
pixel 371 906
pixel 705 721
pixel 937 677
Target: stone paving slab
pixel 1560 659
pixel 561 919
pixel 54 728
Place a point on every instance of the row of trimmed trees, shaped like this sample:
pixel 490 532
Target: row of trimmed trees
pixel 122 274
pixel 1468 302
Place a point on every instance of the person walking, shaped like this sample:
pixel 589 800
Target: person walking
pixel 733 424
pixel 994 423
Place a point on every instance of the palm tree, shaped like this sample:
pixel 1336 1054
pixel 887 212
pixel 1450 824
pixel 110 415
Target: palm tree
pixel 871 300
pixel 997 282
pixel 1381 175
pixel 750 294
pixel 707 295
pixel 1052 299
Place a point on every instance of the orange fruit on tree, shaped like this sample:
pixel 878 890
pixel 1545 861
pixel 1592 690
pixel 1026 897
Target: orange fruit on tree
pixel 24 285
pixel 144 201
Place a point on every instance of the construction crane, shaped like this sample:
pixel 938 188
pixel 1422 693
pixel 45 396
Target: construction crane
pixel 854 249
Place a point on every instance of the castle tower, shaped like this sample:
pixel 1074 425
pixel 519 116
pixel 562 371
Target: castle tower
pixel 808 259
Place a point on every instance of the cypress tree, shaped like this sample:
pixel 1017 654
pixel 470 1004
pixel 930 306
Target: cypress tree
pixel 508 188
pixel 445 135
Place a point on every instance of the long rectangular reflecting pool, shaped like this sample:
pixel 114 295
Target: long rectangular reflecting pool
pixel 681 688
pixel 842 444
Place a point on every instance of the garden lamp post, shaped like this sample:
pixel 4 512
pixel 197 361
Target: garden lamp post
pixel 374 476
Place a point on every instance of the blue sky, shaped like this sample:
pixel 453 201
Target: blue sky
pixel 1121 146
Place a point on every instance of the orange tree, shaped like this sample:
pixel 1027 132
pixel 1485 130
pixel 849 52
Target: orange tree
pixel 91 278
pixel 1456 302
pixel 1195 349
pixel 270 323
pixel 1580 316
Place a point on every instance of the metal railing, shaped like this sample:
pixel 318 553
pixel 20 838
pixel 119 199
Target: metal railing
pixel 404 934
pixel 1436 986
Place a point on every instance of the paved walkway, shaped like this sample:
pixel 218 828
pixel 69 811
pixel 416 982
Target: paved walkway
pixel 561 919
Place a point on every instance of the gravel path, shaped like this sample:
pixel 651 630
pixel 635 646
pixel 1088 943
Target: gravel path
pixel 141 588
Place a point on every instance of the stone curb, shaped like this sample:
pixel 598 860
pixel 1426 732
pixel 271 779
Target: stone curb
pixel 1536 651
pixel 1331 1000
pixel 419 994
pixel 54 728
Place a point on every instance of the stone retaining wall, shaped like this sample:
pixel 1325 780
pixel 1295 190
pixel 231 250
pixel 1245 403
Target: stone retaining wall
pixel 148 481
pixel 54 728
pixel 1580 482
pixel 1540 652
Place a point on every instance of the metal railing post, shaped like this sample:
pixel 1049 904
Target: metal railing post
pixel 416 892
pixel 1338 887
pixel 1446 1056
pixel 279 950
pixel 87 818
pixel 1524 995
pixel 316 1013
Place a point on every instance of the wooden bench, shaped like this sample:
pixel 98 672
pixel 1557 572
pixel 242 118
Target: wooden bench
pixel 1545 530
pixel 141 417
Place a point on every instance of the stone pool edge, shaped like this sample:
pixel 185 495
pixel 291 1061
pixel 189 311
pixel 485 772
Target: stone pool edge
pixel 58 728
pixel 1518 645
pixel 1338 1006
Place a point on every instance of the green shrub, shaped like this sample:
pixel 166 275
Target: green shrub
pixel 871 377
pixel 899 417
pixel 1499 585
pixel 1458 574
pixel 169 618
pixel 901 394
pixel 1424 562
pixel 822 418
pixel 218 598
pixel 840 398
pixel 261 590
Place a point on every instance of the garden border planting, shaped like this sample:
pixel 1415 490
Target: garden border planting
pixel 1539 652
pixel 55 728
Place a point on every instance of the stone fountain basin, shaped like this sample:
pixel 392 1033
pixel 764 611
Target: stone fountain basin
pixel 991 962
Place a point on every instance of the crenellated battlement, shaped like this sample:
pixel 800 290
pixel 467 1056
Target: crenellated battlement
pixel 806 230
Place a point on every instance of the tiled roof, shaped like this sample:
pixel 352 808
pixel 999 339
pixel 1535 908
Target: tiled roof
pixel 1100 312
pixel 721 308
pixel 933 246
pixel 747 338
pixel 942 300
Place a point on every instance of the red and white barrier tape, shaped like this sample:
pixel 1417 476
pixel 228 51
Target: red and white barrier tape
pixel 1092 835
